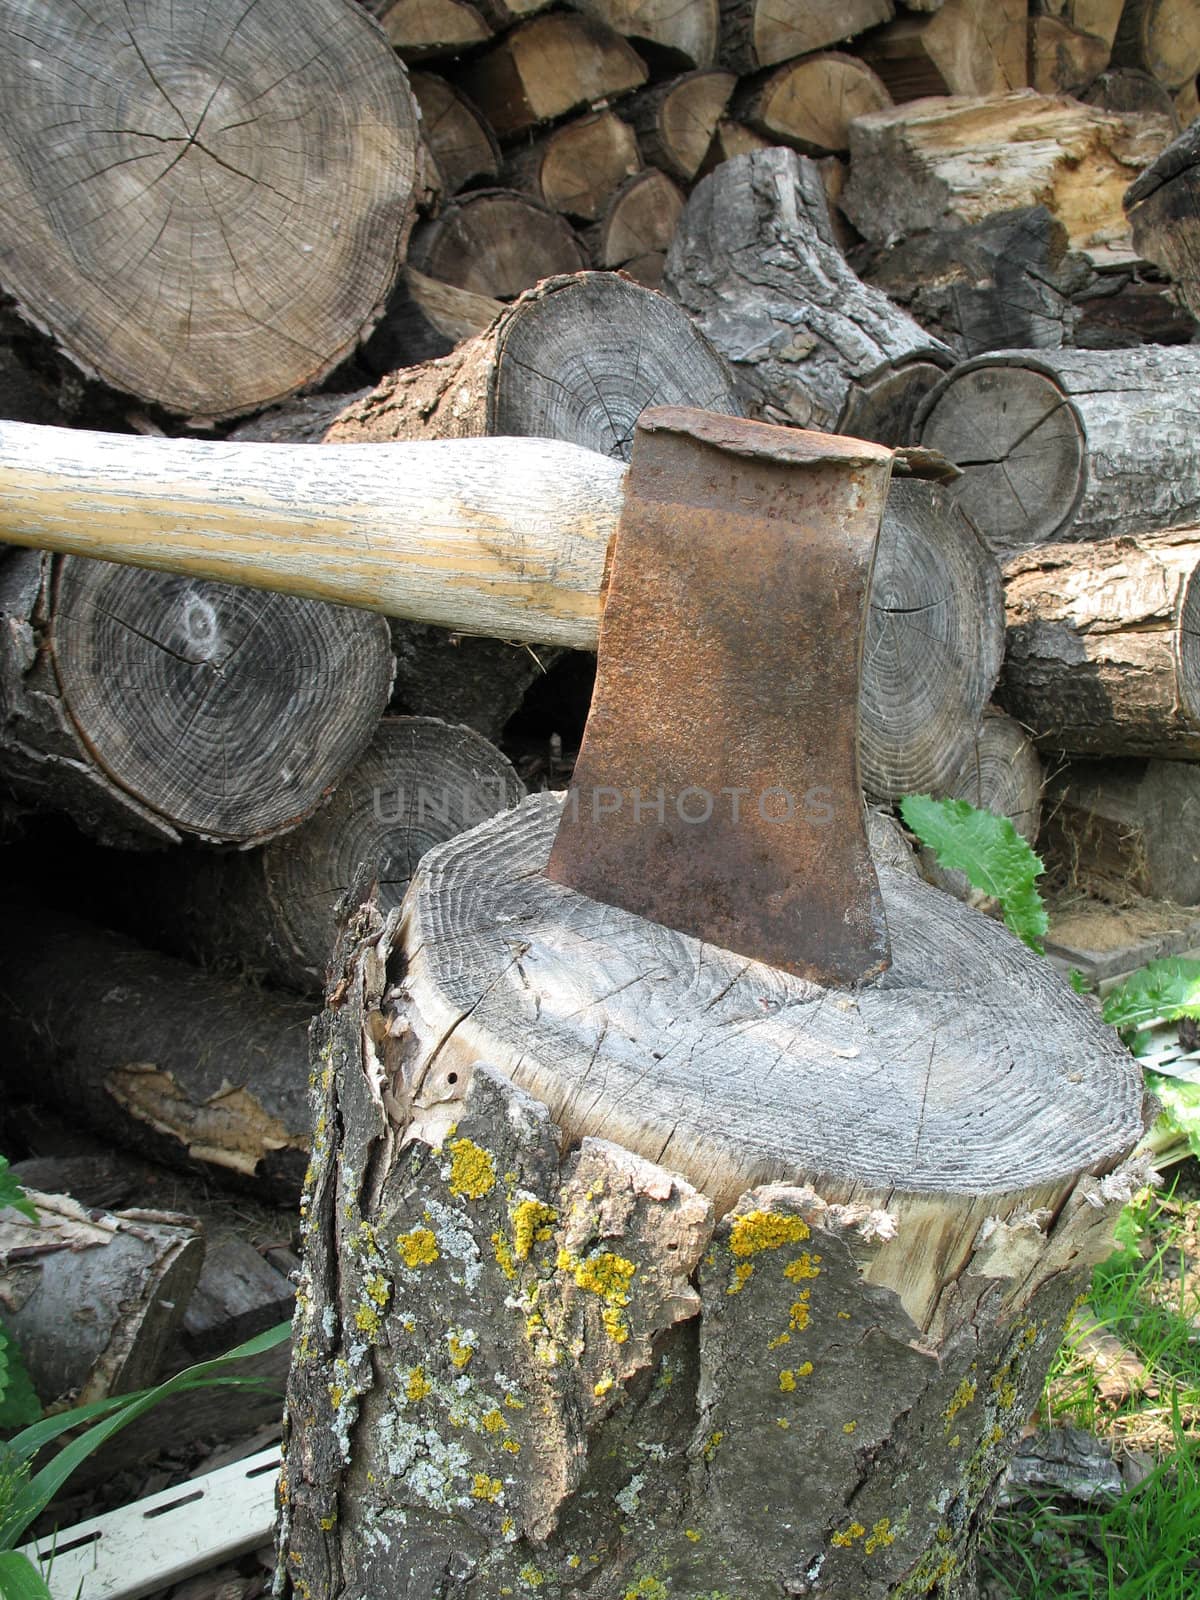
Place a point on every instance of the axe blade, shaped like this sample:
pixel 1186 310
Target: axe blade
pixel 717 789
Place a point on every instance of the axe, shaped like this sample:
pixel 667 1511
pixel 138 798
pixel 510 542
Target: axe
pixel 722 576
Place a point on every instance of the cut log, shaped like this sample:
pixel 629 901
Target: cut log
pixel 1126 89
pixel 93 1298
pixel 1001 773
pixel 1161 37
pixel 149 706
pixel 462 678
pixel 640 220
pixel 190 1069
pixel 810 104
pixel 731 139
pixel 1164 209
pixel 755 262
pixel 425 319
pixel 942 163
pixel 1062 60
pixel 762 33
pixel 270 913
pixel 1071 444
pixel 550 66
pixel 681 35
pixel 579 167
pixel 1099 18
pixel 464 147
pixel 1103 652
pixel 934 642
pixel 967 47
pixel 675 121
pixel 238 1295
pixel 496 243
pixel 207 207
pixel 1117 830
pixel 423 29
pixel 506 1367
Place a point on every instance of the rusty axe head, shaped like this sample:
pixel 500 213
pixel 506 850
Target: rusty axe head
pixel 717 788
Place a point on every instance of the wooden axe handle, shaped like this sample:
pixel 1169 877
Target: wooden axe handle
pixel 505 537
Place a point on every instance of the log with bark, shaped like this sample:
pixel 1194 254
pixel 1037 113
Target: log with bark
pixel 148 707
pixel 1164 209
pixel 966 47
pixel 496 243
pixel 613 1268
pixel 1103 654
pixel 269 913
pixel 761 33
pixel 184 1067
pixel 1161 37
pixel 93 1298
pixel 933 647
pixel 809 104
pixel 675 121
pixel 941 163
pixel 756 264
pixel 681 35
pixel 579 167
pixel 206 208
pixel 463 146
pixel 1120 829
pixel 547 67
pixel 1071 444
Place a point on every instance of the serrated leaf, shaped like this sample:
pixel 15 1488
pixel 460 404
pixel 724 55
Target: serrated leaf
pixel 1162 991
pixel 12 1194
pixel 990 852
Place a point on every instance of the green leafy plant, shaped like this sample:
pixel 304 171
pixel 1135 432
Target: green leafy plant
pixel 25 1493
pixel 991 853
pixel 19 1403
pixel 1142 1009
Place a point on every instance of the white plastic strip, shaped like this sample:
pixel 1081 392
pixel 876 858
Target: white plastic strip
pixel 166 1537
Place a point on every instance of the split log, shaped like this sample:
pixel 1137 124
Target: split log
pixel 1164 209
pixel 207 209
pixel 1103 652
pixel 679 35
pixel 93 1298
pixel 755 263
pixel 148 706
pixel 810 104
pixel 423 29
pixel 933 646
pixel 579 167
pixel 730 140
pixel 507 1373
pixel 464 148
pixel 1071 444
pixel 1062 60
pixel 640 221
pixel 967 47
pixel 550 66
pixel 183 1067
pixel 1161 37
pixel 270 913
pixel 944 163
pixel 1098 18
pixel 1002 773
pixel 1127 89
pixel 425 319
pixel 1120 829
pixel 762 33
pixel 675 121
pixel 496 243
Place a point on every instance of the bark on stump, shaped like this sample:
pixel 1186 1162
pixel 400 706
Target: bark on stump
pixel 755 262
pixel 1164 208
pixel 205 209
pixel 1119 829
pixel 1103 653
pixel 148 706
pixel 1071 444
pixel 585 1309
pixel 186 1068
pixel 933 647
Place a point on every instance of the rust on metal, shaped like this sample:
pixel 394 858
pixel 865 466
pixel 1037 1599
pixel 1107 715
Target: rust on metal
pixel 717 790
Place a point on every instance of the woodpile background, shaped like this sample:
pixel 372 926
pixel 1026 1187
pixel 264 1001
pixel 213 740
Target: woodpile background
pixel 912 222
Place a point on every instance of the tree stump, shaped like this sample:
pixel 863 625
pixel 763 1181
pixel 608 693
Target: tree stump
pixel 1071 444
pixel 633 1268
pixel 755 262
pixel 206 207
pixel 149 706
pixel 1103 652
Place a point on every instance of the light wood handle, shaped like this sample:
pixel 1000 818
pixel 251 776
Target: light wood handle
pixel 504 537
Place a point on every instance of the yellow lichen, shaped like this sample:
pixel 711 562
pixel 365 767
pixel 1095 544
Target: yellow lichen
pixel 766 1230
pixel 849 1427
pixel 493 1422
pixel 712 1445
pixel 804 1370
pixel 367 1320
pixel 502 1250
pixel 513 1404
pixel 741 1276
pixel 604 1385
pixel 532 1576
pixel 485 1488
pixel 693 1534
pixel 461 1350
pixel 779 1340
pixel 418 1248
pixel 881 1534
pixel 378 1288
pixel 798 1314
pixel 608 1276
pixel 417 1385
pixel 843 1316
pixel 507 1526
pixel 511 1445
pixel 804 1266
pixel 782 1422
pixel 846 1536
pixel 960 1399
pixel 574 1561
pixel 533 1222
pixel 787 1380
pixel 472 1170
